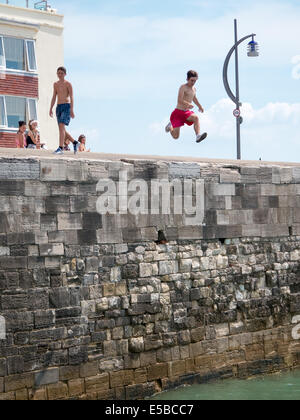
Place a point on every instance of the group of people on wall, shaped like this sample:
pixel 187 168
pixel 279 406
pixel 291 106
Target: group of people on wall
pixel 30 138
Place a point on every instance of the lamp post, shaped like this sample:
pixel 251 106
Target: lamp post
pixel 253 51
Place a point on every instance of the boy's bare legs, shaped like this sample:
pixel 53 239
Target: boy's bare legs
pixel 196 120
pixel 175 133
pixel 69 137
pixel 62 135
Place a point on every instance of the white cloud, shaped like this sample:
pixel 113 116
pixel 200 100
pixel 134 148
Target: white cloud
pixel 119 56
pixel 136 40
pixel 296 69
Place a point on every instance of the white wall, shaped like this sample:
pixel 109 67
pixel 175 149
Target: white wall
pixel 16 21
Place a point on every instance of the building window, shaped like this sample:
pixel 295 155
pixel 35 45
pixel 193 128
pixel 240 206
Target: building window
pixel 2 58
pixel 17 54
pixel 3 121
pixel 14 109
pixel 31 60
pixel 31 109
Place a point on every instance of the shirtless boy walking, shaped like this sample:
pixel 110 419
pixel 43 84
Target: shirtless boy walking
pixel 183 114
pixel 63 91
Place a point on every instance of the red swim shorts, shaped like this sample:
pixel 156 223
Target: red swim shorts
pixel 179 118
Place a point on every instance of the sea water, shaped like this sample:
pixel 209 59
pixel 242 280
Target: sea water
pixel 284 387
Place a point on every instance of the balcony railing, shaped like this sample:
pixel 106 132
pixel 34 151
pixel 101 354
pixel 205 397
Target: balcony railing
pixel 32 4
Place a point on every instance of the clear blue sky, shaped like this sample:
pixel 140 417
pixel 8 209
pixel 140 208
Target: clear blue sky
pixel 127 59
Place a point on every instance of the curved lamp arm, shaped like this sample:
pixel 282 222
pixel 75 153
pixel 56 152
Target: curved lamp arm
pixel 225 69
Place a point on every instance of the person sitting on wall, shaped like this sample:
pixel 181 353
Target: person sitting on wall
pixel 33 135
pixel 82 141
pixel 21 136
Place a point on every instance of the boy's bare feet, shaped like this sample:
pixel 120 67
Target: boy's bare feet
pixel 168 128
pixel 201 137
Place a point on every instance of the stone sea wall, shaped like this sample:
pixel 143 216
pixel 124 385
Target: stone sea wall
pixel 98 307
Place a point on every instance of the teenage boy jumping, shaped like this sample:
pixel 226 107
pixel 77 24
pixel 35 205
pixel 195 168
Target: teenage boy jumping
pixel 63 91
pixel 183 114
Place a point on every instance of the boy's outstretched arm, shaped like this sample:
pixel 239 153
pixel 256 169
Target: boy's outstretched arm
pixel 195 100
pixel 181 100
pixel 53 100
pixel 71 93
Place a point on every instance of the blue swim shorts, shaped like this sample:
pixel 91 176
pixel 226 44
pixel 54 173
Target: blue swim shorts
pixel 63 113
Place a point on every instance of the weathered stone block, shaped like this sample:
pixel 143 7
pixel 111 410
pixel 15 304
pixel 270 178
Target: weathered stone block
pixel 109 237
pixel 53 171
pixel 15 263
pixel 121 289
pixel 9 302
pixel 230 176
pixel 89 369
pixel 38 394
pixel 190 232
pixel 46 377
pixel 198 334
pixel 148 358
pixel 4 251
pixel 3 368
pixel 83 204
pixel 22 395
pixel 168 267
pixel 59 297
pixel 76 387
pixel 92 265
pixel 77 171
pixel 69 221
pixel 115 274
pixel 52 250
pixel 159 371
pixel 140 376
pixel 58 204
pixel 177 368
pixel 134 392
pixel 67 373
pixel 15 364
pixel 97 383
pixel 36 189
pixel 110 349
pixel 109 289
pixel 78 355
pixel 130 271
pixel 148 270
pixel 57 391
pixel 12 188
pixel 19 321
pixel 16 382
pixel 8 396
pixel 48 223
pixel 92 221
pixel 131 235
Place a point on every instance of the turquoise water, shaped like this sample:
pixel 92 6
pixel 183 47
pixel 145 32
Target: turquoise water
pixel 284 387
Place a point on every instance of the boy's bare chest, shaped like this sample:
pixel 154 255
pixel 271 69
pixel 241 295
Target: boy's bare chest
pixel 189 94
pixel 62 89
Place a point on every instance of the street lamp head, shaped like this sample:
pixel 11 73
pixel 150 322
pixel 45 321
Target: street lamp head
pixel 253 49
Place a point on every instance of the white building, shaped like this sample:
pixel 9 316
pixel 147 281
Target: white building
pixel 31 50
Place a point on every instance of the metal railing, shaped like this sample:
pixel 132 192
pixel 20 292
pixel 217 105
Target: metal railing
pixel 40 5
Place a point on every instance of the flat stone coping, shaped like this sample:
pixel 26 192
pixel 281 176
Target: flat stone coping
pixel 45 154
